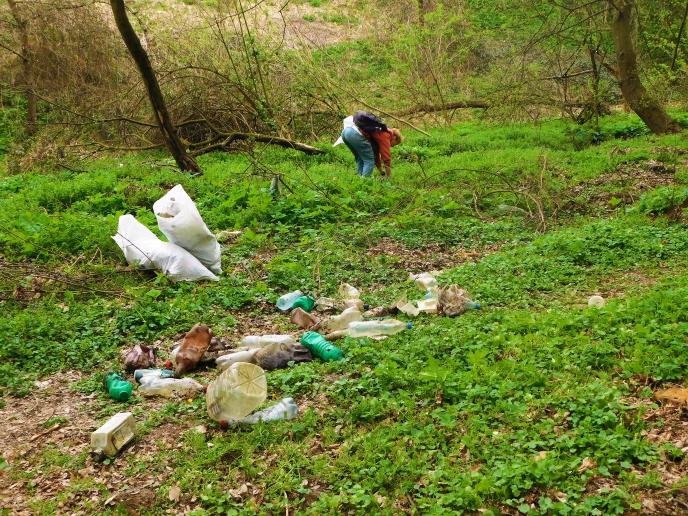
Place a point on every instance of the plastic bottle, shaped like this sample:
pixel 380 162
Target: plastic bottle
pixel 320 348
pixel 285 409
pixel 306 303
pixel 341 321
pixel 376 328
pixel 110 438
pixel 347 291
pixel 258 341
pixel 472 305
pixel 354 303
pixel 236 393
pixel 326 304
pixel 286 302
pixel 158 373
pixel 424 280
pixel 224 361
pixel 117 387
pixel 154 386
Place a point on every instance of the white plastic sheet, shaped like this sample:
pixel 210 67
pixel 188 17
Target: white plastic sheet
pixel 144 250
pixel 180 221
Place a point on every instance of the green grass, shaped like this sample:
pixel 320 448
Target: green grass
pixel 499 409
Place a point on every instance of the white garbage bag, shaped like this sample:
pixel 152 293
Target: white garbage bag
pixel 144 250
pixel 180 222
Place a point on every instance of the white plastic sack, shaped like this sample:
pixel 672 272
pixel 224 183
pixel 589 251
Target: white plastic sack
pixel 144 250
pixel 180 222
pixel 347 122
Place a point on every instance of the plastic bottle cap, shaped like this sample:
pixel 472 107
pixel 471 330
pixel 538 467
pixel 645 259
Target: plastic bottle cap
pixel 409 325
pixel 168 364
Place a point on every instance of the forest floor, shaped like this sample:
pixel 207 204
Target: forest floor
pixel 534 404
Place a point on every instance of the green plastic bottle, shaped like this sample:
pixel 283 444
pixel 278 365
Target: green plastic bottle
pixel 320 347
pixel 117 387
pixel 305 303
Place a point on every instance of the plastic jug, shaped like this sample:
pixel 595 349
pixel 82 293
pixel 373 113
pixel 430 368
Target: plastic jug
pixel 154 386
pixel 258 341
pixel 117 387
pixel 225 361
pixel 305 303
pixel 236 393
pixel 341 321
pixel 285 409
pixel 110 438
pixel 286 302
pixel 376 328
pixel 158 373
pixel 320 348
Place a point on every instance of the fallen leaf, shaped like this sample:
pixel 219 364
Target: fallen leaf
pixel 174 493
pixel 674 395
pixel 239 492
pixel 587 464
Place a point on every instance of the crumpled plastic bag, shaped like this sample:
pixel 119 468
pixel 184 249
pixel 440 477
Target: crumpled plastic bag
pixel 182 224
pixel 144 250
pixel 278 355
pixel 139 357
pixel 452 300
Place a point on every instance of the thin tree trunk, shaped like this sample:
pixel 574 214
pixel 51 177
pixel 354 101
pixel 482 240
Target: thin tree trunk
pixel 27 69
pixel 162 116
pixel 635 94
pixel 678 38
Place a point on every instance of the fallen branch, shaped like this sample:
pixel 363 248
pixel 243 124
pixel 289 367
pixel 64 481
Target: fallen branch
pixel 229 138
pixel 429 108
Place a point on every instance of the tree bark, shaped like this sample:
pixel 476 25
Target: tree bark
pixel 635 94
pixel 27 69
pixel 162 116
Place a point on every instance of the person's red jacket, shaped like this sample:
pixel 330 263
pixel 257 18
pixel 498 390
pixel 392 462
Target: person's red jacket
pixel 382 143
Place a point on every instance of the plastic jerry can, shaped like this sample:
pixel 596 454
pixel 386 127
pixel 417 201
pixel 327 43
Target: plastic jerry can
pixel 110 438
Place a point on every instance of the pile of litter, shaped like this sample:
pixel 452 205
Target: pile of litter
pixel 241 387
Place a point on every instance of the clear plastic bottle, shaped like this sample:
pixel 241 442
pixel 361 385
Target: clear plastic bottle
pixel 159 373
pixel 286 301
pixel 341 321
pixel 285 409
pixel 223 362
pixel 347 291
pixel 376 328
pixel 424 281
pixel 156 386
pixel 236 393
pixel 258 341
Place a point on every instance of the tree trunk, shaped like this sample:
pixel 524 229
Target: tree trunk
pixel 27 69
pixel 634 93
pixel 162 116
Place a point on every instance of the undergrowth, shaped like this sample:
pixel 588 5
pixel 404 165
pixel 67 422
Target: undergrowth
pixel 522 406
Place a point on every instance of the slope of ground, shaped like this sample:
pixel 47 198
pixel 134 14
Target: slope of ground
pixel 535 404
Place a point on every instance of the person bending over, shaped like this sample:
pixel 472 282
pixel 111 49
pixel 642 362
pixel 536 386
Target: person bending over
pixel 370 141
